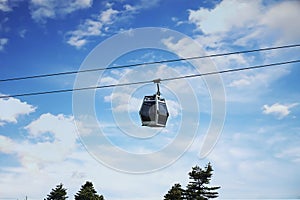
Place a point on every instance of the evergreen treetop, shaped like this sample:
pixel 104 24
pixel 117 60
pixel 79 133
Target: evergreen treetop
pixel 88 192
pixel 175 193
pixel 59 193
pixel 198 188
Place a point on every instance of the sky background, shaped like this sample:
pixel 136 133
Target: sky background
pixel 258 152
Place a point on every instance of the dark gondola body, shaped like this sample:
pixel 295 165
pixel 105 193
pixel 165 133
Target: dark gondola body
pixel 154 112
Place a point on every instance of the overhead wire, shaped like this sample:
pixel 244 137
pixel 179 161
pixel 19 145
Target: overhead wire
pixel 147 63
pixel 150 81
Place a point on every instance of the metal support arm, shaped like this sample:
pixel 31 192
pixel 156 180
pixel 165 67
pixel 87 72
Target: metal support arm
pixel 157 81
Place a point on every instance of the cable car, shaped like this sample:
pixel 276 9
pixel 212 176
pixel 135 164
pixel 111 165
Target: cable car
pixel 154 112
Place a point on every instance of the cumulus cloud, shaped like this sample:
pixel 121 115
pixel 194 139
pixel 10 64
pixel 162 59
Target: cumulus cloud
pixel 250 24
pixel 42 10
pixel 107 15
pixel 51 139
pixel 91 27
pixel 6 145
pixel 282 18
pixel 240 82
pixel 3 42
pixel 4 6
pixel 279 110
pixel 224 16
pixel 249 21
pixel 12 108
pixel 258 79
pixel 123 102
pixel 101 24
pixel 78 38
pixel 7 5
pixel 243 156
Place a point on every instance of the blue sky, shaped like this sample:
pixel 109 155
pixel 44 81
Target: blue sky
pixel 92 135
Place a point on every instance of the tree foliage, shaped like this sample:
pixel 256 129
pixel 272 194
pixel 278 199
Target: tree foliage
pixel 175 193
pixel 198 188
pixel 88 192
pixel 59 193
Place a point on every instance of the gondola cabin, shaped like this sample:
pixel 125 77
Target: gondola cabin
pixel 154 112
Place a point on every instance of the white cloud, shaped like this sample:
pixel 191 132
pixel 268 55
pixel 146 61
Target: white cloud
pixel 141 5
pixel 123 102
pixel 44 124
pixel 51 139
pixel 236 158
pixel 107 16
pixel 22 33
pixel 108 80
pixel 283 19
pixel 257 79
pixel 6 145
pixel 3 42
pixel 12 108
pixel 183 47
pixel 251 24
pixel 240 82
pixel 81 167
pixel 177 21
pixel 41 10
pixel 279 110
pixel 129 8
pixel 248 22
pixel 245 158
pixel 77 42
pixel 224 16
pixel 100 25
pixel 91 27
pixel 173 108
pixel 7 5
pixel 50 162
pixel 292 153
pixel 4 6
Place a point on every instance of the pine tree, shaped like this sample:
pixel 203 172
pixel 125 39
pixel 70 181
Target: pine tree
pixel 197 188
pixel 59 193
pixel 175 193
pixel 87 192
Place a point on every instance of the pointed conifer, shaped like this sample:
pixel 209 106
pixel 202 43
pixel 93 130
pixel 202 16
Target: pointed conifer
pixel 59 193
pixel 198 188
